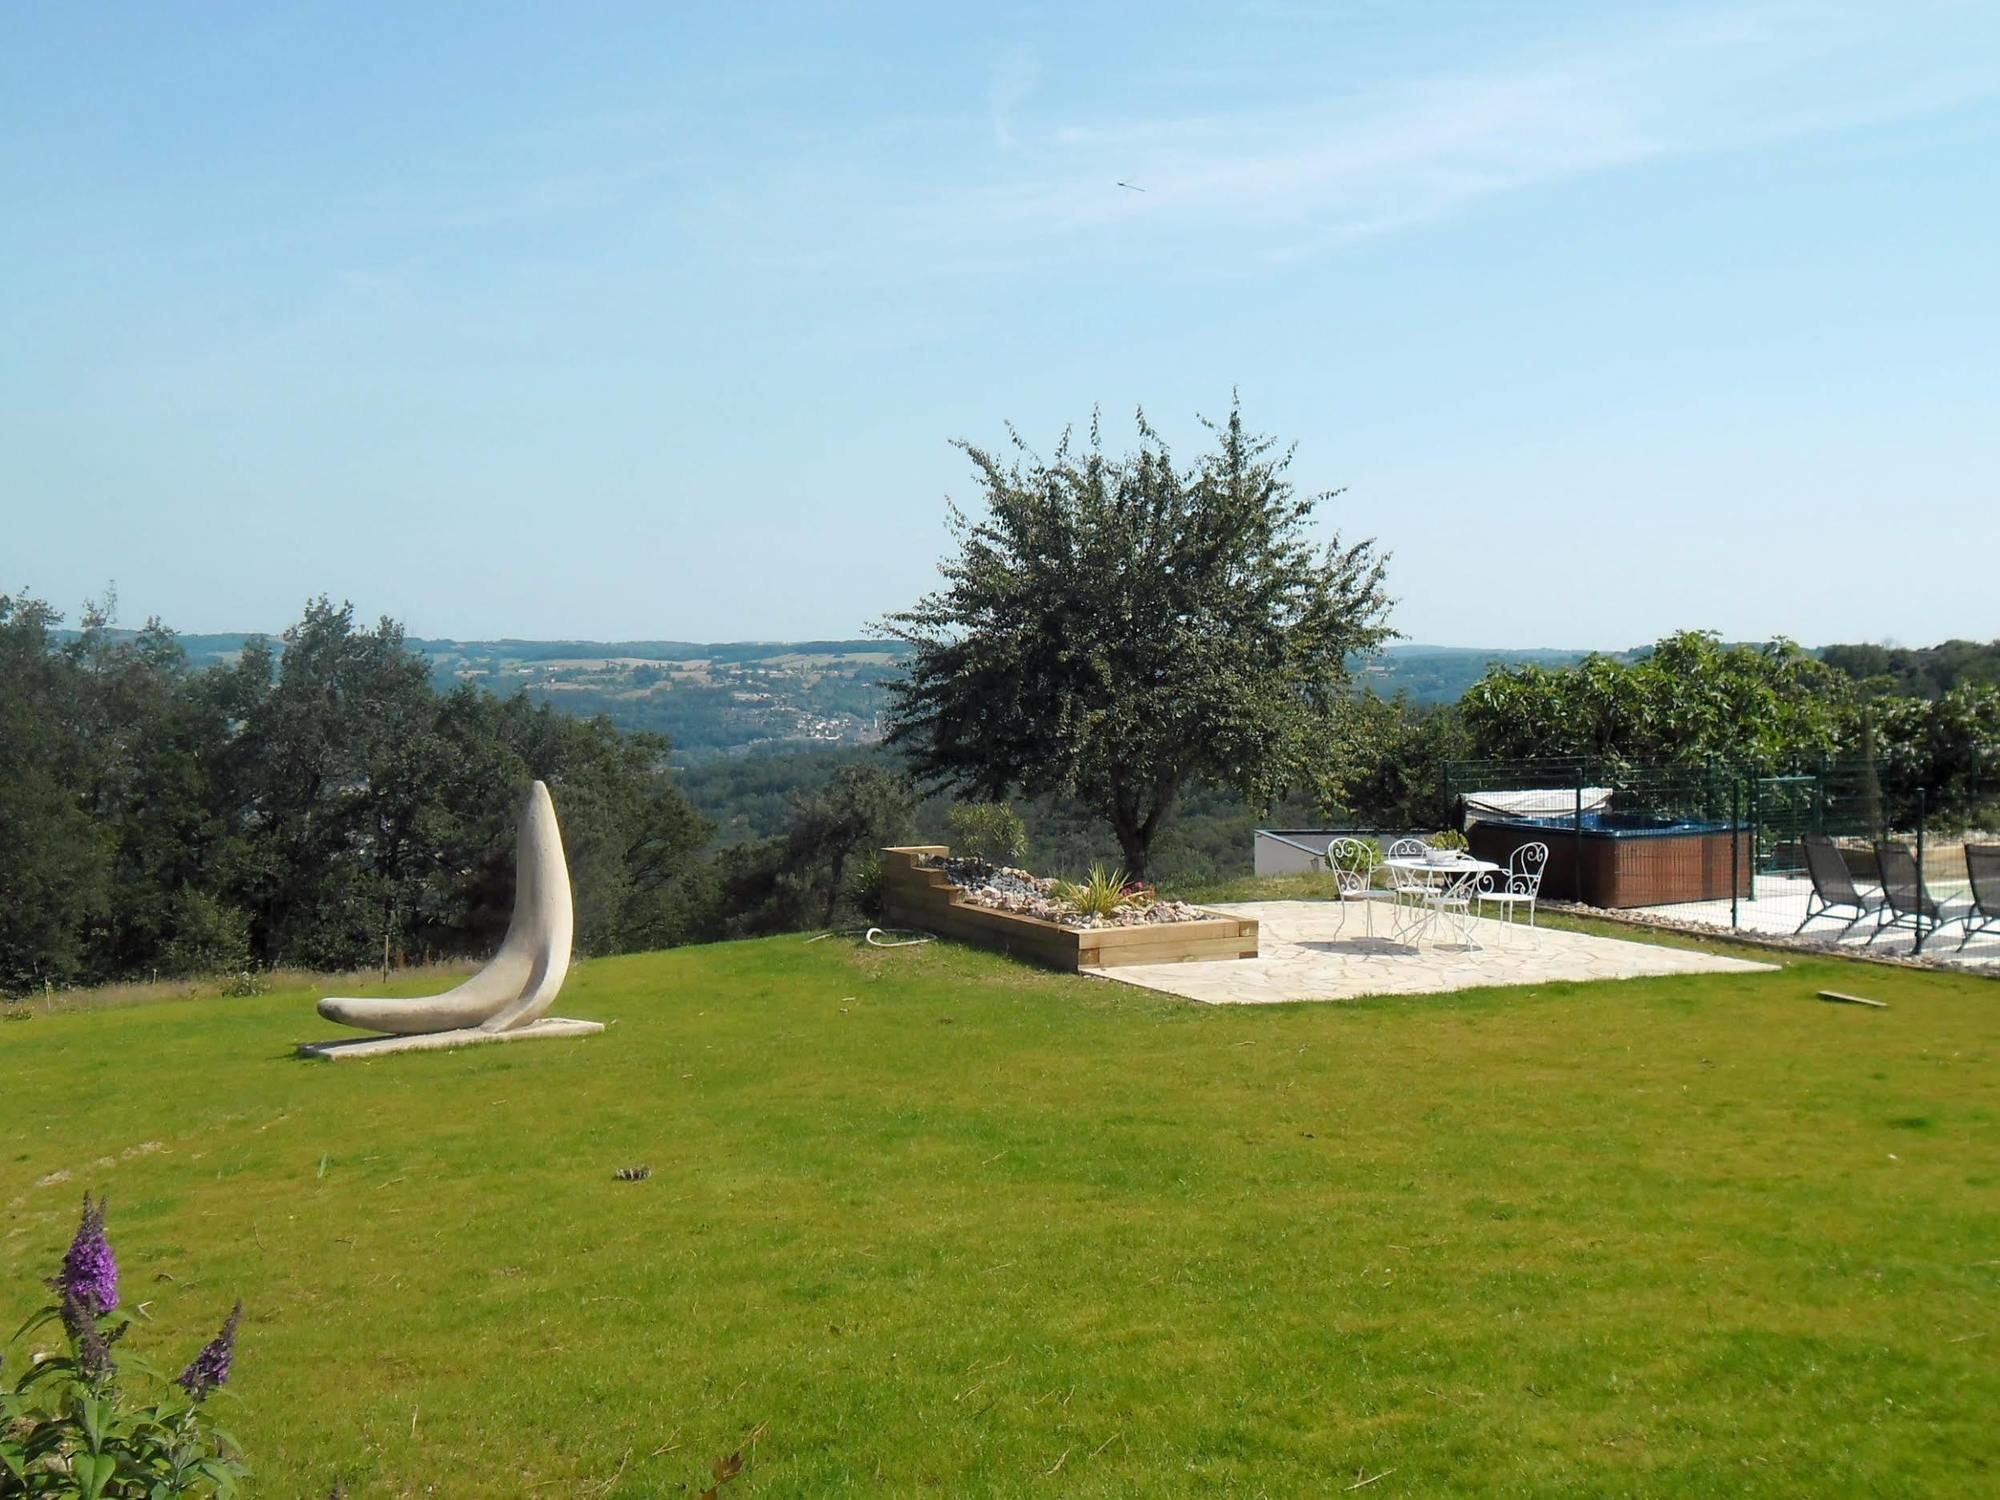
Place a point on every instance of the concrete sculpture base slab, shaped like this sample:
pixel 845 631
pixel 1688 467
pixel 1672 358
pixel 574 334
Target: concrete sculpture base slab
pixel 549 1028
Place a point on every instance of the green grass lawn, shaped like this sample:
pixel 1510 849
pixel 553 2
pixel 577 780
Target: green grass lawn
pixel 924 1222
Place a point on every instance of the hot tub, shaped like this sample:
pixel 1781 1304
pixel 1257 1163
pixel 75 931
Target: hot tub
pixel 1624 859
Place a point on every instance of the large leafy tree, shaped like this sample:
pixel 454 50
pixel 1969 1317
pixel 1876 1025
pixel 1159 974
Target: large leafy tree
pixel 1402 752
pixel 1690 700
pixel 1117 627
pixel 340 788
pixel 1949 747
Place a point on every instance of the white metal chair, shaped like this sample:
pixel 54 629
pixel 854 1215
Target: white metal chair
pixel 1451 891
pixel 1410 889
pixel 1352 863
pixel 1518 885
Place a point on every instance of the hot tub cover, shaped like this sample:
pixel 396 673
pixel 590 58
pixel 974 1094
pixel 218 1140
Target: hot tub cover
pixel 1545 802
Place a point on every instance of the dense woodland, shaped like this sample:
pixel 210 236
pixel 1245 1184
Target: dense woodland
pixel 319 801
pixel 1927 672
pixel 316 802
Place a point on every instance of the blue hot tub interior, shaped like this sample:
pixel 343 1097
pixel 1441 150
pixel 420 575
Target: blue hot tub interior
pixel 1620 825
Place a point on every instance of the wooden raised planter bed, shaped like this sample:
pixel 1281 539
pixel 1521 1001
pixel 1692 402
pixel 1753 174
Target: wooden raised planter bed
pixel 914 895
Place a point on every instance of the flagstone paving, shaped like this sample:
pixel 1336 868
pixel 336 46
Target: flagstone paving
pixel 1307 952
pixel 1778 905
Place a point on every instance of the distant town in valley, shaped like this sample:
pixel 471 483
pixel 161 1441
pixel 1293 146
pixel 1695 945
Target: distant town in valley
pixel 715 699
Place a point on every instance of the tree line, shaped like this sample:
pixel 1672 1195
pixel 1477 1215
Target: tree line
pixel 1774 709
pixel 319 803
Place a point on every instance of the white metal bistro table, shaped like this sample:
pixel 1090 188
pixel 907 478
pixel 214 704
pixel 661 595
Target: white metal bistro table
pixel 1440 890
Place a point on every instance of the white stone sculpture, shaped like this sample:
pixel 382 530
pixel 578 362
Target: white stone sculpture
pixel 508 1000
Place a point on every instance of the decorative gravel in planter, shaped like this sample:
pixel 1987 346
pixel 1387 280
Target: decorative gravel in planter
pixel 1001 888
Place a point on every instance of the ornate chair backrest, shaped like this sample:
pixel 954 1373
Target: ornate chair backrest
pixel 1524 869
pixel 1982 868
pixel 1829 872
pixel 1409 882
pixel 1353 863
pixel 1903 882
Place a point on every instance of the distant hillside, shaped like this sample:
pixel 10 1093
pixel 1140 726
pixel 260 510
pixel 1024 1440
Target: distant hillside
pixel 731 698
pixel 1441 674
pixel 719 698
pixel 709 698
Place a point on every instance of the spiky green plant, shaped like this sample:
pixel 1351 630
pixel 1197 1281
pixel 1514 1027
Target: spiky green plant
pixel 1099 894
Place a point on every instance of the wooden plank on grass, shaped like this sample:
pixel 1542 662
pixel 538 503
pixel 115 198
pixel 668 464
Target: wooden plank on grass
pixel 1192 953
pixel 1853 999
pixel 1146 934
pixel 1170 948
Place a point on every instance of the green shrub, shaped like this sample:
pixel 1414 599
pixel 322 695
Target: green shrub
pixel 989 831
pixel 244 982
pixel 1451 838
pixel 210 937
pixel 864 886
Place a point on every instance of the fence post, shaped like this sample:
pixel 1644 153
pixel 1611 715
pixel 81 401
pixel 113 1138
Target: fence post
pixel 1923 885
pixel 1735 843
pixel 1576 841
pixel 1756 830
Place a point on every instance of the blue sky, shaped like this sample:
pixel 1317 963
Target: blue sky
pixel 633 321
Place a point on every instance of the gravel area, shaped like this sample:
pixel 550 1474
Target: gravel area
pixel 1005 889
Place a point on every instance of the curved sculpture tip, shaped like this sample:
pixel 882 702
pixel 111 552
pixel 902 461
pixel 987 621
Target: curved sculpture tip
pixel 521 982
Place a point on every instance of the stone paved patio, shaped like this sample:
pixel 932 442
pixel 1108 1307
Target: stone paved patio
pixel 1779 903
pixel 1308 954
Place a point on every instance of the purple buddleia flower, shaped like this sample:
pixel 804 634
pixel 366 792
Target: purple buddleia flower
pixel 93 1350
pixel 210 1368
pixel 89 1271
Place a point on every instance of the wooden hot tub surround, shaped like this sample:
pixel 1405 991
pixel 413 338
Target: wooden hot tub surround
pixel 1619 867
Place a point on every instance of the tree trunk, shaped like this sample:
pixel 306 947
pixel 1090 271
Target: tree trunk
pixel 1135 843
pixel 1138 853
pixel 1135 833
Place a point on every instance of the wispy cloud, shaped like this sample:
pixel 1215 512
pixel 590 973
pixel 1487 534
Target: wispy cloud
pixel 1012 81
pixel 1292 178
